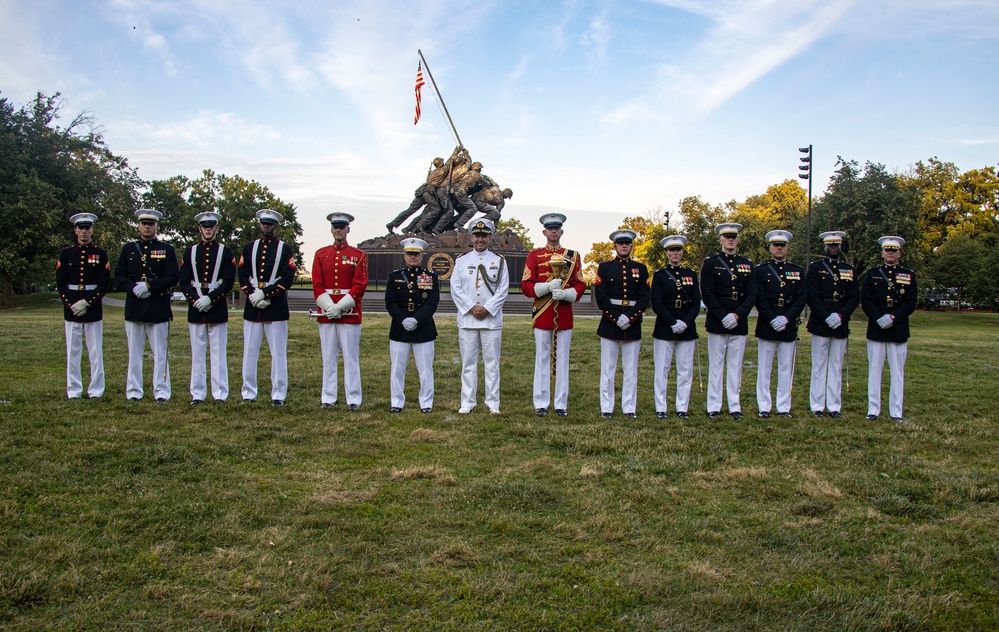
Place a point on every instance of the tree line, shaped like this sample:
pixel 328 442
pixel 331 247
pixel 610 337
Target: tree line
pixel 49 172
pixel 949 219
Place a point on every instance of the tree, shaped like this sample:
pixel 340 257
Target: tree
pixel 782 206
pixel 649 230
pixel 867 205
pixel 47 174
pixel 513 224
pixel 234 198
pixel 950 200
pixel 699 220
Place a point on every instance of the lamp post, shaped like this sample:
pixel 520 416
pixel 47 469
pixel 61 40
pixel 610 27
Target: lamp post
pixel 806 174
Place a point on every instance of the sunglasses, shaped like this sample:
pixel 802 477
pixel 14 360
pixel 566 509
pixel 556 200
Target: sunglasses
pixel 890 249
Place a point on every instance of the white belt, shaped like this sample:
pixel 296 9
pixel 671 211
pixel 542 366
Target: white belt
pixel 338 291
pixel 623 303
pixel 83 288
pixel 209 286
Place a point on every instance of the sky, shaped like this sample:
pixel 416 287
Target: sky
pixel 598 109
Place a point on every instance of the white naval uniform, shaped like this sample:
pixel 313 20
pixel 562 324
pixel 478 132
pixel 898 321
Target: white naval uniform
pixel 468 289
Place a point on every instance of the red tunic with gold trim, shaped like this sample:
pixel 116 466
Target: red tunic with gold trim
pixel 537 269
pixel 338 270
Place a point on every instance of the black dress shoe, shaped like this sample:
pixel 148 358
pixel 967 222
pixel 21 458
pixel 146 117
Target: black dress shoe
pixel 736 415
pixel 836 414
pixel 426 410
pixel 787 414
pixel 764 414
pixel 682 414
pixel 714 414
pixel 540 412
pixel 871 417
pixel 277 403
pixel 817 413
pixel 605 415
pixel 327 405
pixel 898 419
pixel 561 412
pixel 195 402
pixel 353 406
pixel 664 415
pixel 395 409
pixel 630 416
pixel 133 399
pixel 161 400
pixel 247 400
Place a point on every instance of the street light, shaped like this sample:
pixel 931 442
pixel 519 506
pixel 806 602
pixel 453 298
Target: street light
pixel 806 174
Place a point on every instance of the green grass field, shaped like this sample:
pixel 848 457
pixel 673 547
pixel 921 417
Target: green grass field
pixel 120 515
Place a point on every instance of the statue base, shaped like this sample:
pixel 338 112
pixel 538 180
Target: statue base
pixel 385 253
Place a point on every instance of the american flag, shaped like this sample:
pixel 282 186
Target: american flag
pixel 419 84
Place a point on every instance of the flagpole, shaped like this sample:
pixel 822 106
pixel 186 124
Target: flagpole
pixel 439 97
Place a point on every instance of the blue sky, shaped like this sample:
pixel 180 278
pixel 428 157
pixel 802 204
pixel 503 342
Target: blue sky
pixel 598 109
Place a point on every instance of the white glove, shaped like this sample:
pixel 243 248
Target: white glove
pixel 570 295
pixel 256 296
pixel 141 290
pixel 886 321
pixel 324 302
pixel 334 312
pixel 264 304
pixel 834 321
pixel 409 324
pixel 203 304
pixel 730 321
pixel 79 308
pixel 346 303
pixel 779 323
pixel 558 294
pixel 544 288
pixel 623 322
pixel 679 327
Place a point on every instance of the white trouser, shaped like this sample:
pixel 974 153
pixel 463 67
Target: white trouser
pixel 608 369
pixel 210 337
pixel 662 355
pixel 276 333
pixel 725 351
pixel 423 357
pixel 876 354
pixel 766 350
pixel 469 342
pixel 344 338
pixel 158 335
pixel 543 368
pixel 826 391
pixel 75 333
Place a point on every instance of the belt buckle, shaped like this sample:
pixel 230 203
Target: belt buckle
pixel 261 286
pixel 81 288
pixel 625 303
pixel 836 296
pixel 335 292
pixel 891 302
pixel 679 303
pixel 410 308
pixel 206 286
pixel 735 295
pixel 780 302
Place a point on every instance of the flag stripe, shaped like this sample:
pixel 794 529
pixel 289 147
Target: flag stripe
pixel 419 84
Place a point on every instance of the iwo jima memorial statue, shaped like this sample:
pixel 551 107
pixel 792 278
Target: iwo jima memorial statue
pixel 454 195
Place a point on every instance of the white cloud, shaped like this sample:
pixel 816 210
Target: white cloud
pixel 206 130
pixel 746 41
